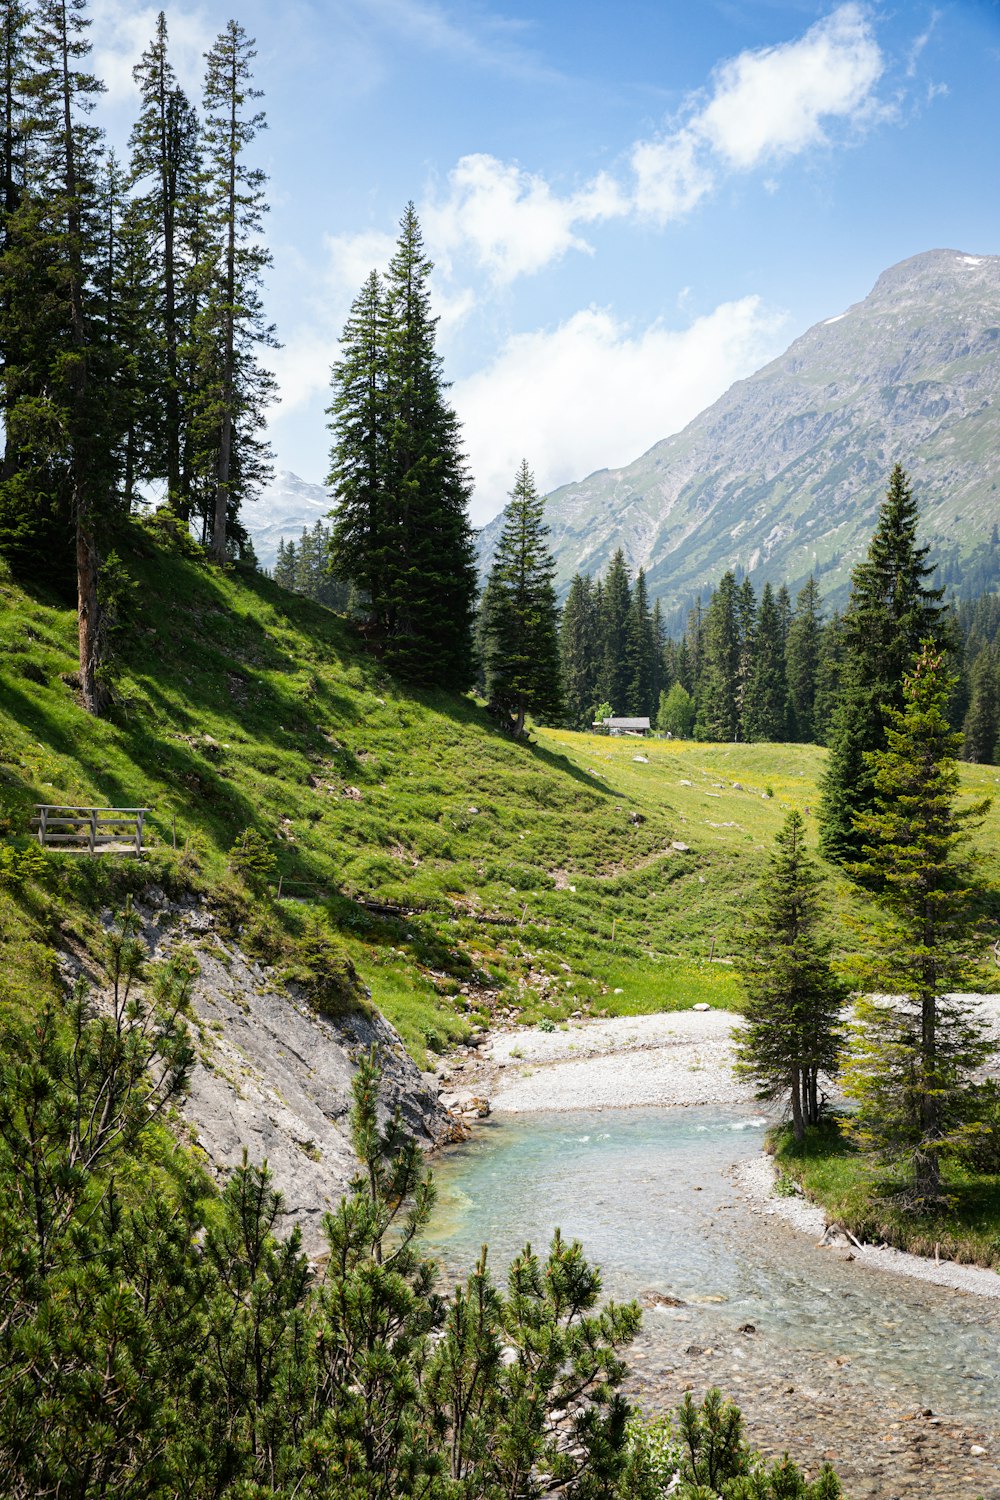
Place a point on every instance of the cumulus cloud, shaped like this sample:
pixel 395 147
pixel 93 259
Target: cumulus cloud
pixel 592 392
pixel 774 102
pixel 763 106
pixel 510 221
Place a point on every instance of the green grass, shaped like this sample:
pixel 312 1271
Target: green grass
pixel 540 877
pixel 863 1196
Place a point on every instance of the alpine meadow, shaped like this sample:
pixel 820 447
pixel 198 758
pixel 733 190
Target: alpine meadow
pixel 500 983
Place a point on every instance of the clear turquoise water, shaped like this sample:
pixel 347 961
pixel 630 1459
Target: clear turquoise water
pixel 649 1195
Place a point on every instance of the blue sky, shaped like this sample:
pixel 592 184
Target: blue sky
pixel 630 204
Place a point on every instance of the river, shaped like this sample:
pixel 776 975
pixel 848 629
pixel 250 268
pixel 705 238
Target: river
pixel 897 1380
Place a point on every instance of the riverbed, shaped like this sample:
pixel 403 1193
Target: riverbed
pixel 895 1381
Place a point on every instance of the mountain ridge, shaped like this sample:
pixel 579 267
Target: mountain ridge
pixel 783 475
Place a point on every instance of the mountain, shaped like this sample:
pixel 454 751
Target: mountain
pixel 286 506
pixel 784 474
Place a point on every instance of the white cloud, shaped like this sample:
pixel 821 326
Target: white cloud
pixel 120 33
pixel 592 393
pixel 764 105
pixel 671 175
pixel 773 102
pixel 510 221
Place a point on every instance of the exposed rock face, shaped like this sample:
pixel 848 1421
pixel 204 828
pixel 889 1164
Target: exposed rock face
pixel 275 1077
pixel 784 474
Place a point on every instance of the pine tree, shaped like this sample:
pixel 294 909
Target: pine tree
pixel 765 710
pixel 658 677
pixel 802 662
pixel 430 567
pixel 746 630
pixel 234 389
pixel 892 610
pixel 364 523
pixel 165 164
pixel 613 680
pixel 639 652
pixel 913 1055
pixel 981 729
pixel 793 1000
pixel 60 412
pixel 718 687
pixel 521 636
pixel 578 651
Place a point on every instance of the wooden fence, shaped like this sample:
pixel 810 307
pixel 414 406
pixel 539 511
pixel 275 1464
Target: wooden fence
pixel 90 828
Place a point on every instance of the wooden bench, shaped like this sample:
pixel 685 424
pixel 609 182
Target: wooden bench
pixel 90 827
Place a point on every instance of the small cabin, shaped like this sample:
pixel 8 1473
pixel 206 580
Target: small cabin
pixel 623 726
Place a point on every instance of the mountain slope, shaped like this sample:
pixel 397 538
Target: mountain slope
pixel 287 506
pixel 784 474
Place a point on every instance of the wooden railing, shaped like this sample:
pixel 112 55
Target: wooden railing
pixel 89 827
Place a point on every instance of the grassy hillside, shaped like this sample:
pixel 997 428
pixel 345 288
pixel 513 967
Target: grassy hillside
pixel 551 877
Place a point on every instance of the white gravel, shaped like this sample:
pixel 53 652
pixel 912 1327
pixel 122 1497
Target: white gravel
pixel 679 1058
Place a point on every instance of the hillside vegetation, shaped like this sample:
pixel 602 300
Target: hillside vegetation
pixel 459 873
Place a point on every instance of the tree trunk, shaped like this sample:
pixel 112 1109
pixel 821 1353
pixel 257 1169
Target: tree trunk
pixel 798 1124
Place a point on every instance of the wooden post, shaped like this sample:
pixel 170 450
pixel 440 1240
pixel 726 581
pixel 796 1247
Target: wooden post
pixel 42 825
pixel 524 913
pixel 280 879
pixel 139 820
pixel 93 830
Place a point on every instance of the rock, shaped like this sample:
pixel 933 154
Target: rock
pixel 635 818
pixel 694 1349
pixel 679 847
pixel 701 1006
pixel 275 1076
pixel 977 1451
pixel 642 759
pixel 661 1299
pixel 747 1328
pixel 353 793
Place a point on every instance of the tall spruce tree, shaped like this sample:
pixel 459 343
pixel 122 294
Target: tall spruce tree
pixel 765 709
pixel 639 653
pixel 892 610
pixel 60 409
pixel 521 644
pixel 165 162
pixel 234 389
pixel 746 629
pixel 793 1000
pixel 430 573
pixel 578 651
pixel 981 728
pixel 802 661
pixel 613 681
pixel 913 1054
pixel 718 683
pixel 364 528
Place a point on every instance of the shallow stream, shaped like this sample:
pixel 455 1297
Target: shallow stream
pixel 650 1195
